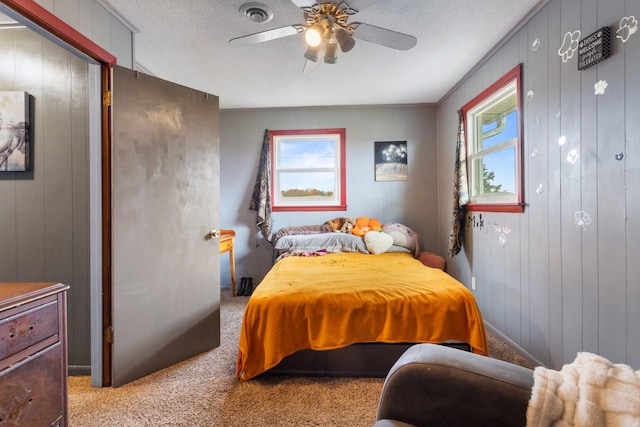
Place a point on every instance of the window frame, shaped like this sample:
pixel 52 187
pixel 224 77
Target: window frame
pixel 337 134
pixel 498 205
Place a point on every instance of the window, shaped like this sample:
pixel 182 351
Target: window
pixel 494 146
pixel 308 170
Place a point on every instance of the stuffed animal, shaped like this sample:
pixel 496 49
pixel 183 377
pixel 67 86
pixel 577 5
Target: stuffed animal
pixel 349 223
pixel 365 224
pixel 336 223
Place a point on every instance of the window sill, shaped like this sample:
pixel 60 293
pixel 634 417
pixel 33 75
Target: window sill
pixel 494 207
pixel 308 208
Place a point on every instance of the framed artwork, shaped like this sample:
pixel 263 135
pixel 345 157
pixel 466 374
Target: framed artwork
pixel 14 131
pixel 391 161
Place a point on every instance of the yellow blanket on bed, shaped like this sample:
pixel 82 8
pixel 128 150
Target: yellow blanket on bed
pixel 332 301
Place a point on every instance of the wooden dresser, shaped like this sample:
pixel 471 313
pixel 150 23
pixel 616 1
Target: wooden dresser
pixel 33 354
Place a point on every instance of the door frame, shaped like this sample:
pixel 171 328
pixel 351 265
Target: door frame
pixel 47 23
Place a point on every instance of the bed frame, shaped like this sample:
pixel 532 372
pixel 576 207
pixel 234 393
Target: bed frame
pixel 357 360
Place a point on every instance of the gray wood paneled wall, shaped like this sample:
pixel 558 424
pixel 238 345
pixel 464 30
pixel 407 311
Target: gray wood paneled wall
pixel 241 133
pixel 44 214
pixel 100 23
pixel 44 217
pixel 558 285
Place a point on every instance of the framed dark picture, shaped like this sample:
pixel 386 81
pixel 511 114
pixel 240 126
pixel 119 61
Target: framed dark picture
pixel 391 162
pixel 14 131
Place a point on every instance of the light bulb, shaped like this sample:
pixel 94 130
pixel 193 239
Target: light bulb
pixel 312 36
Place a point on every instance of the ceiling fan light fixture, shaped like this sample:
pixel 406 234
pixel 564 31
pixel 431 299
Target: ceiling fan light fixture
pixel 313 35
pixel 330 56
pixel 345 40
pixel 312 53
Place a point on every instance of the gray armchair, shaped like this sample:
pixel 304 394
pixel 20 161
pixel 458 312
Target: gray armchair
pixel 434 385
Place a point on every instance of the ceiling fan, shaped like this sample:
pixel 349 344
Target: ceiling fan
pixel 327 27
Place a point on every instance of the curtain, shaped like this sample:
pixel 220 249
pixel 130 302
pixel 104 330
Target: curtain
pixel 460 192
pixel 261 197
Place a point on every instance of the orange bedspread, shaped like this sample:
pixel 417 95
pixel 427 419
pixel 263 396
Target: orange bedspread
pixel 332 301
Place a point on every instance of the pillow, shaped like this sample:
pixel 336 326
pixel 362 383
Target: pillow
pixel 403 236
pixel 332 242
pixel 431 260
pixel 378 242
pixel 395 248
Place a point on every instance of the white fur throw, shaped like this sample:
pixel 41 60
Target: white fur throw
pixel 591 391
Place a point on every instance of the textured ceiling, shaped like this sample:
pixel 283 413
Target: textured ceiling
pixel 187 42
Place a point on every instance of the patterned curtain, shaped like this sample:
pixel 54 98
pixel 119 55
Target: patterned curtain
pixel 460 192
pixel 261 197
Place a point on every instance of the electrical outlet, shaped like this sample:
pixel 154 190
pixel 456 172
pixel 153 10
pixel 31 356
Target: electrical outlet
pixel 473 283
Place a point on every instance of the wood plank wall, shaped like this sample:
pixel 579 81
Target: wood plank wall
pixel 44 217
pixel 555 288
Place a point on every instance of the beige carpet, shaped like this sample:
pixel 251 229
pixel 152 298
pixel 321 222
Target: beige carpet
pixel 203 391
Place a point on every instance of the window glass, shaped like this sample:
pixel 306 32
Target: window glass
pixel 493 139
pixel 308 170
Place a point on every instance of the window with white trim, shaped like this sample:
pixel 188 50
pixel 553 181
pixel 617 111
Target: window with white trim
pixel 308 169
pixel 493 140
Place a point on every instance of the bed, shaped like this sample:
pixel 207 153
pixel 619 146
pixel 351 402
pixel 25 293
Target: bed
pixel 329 306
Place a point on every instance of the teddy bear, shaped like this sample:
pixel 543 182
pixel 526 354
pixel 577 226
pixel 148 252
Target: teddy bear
pixel 349 223
pixel 342 224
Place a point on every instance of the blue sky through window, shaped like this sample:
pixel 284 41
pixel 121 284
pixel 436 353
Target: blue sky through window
pixel 307 154
pixel 503 162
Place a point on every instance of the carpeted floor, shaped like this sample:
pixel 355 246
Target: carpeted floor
pixel 203 391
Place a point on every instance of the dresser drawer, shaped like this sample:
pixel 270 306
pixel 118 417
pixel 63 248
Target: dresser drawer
pixel 31 392
pixel 27 328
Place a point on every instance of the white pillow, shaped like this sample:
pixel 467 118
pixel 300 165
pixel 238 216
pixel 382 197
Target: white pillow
pixel 377 242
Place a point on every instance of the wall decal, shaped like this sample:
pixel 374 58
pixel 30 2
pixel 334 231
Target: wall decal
pixel 539 189
pixel 594 48
pixel 628 27
pixel 569 45
pixel 530 94
pixel 600 87
pixel 562 140
pixel 535 45
pixel 479 223
pixel 503 230
pixel 583 219
pixel 573 156
pixel 619 156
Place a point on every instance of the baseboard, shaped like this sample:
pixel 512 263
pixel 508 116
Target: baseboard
pixel 78 370
pixel 522 352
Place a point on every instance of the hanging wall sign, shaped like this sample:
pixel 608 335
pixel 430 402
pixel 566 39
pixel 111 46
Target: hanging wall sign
pixel 594 48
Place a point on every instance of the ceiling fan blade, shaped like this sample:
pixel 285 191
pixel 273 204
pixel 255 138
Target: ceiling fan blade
pixel 265 36
pixel 304 3
pixel 359 5
pixel 356 5
pixel 384 36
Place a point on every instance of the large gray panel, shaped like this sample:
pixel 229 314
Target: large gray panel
pixel 571 158
pixel 612 242
pixel 166 294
